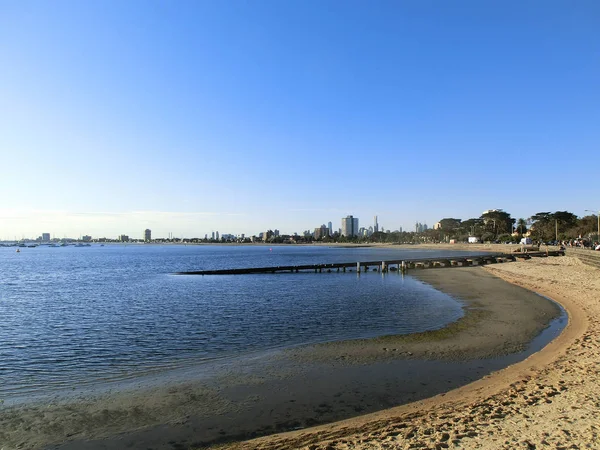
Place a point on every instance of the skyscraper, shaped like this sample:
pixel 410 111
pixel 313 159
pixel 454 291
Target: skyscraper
pixel 375 225
pixel 350 226
pixel 147 235
pixel 321 232
pixel 330 227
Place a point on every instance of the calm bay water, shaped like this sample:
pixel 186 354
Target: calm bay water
pixel 73 316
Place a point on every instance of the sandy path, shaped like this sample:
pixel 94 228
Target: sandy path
pixel 550 400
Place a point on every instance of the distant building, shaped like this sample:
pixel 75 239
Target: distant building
pixel 437 226
pixel 375 225
pixel 124 238
pixel 147 235
pixel 349 226
pixel 330 227
pixel 488 211
pixel 86 238
pixel 420 227
pixel 217 235
pixel 46 237
pixel 321 232
pixel 267 235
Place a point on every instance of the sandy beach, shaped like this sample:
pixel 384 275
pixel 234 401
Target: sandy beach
pixel 325 383
pixel 550 400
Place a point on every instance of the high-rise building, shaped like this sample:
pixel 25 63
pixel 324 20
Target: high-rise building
pixel 321 232
pixel 375 225
pixel 349 226
pixel 330 227
pixel 420 227
pixel 217 235
pixel 45 237
pixel 147 235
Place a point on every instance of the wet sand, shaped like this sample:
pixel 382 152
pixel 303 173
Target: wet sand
pixel 301 387
pixel 500 318
pixel 549 400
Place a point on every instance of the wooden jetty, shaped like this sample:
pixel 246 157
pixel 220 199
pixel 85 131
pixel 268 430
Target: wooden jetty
pixel 400 265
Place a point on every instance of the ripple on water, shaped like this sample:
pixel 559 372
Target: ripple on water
pixel 75 315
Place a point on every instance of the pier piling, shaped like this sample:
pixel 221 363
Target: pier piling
pixel 384 266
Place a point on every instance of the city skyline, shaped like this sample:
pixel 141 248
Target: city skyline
pixel 205 116
pixel 347 223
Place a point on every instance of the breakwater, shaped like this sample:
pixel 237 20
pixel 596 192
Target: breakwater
pixel 401 265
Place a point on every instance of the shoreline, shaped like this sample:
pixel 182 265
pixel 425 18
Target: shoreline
pixel 488 329
pixel 301 389
pixel 549 399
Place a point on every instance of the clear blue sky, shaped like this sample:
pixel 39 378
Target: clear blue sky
pixel 238 116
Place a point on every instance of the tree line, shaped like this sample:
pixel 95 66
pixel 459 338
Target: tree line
pixel 494 226
pixel 498 225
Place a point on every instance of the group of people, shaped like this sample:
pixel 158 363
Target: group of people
pixel 581 243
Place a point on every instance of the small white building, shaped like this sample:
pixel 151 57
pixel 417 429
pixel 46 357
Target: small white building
pixel 473 240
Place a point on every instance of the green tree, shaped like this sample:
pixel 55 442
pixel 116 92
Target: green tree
pixel 522 226
pixel 541 226
pixel 585 226
pixel 471 227
pixel 498 222
pixel 449 225
pixel 565 220
pixel 547 225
